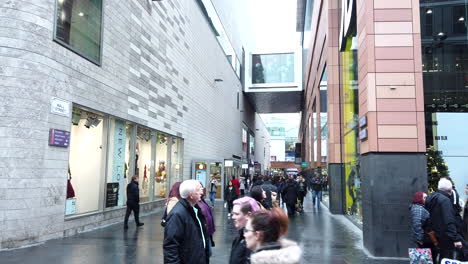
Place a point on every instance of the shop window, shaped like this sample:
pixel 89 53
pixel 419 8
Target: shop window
pixel 161 165
pixel 215 174
pixel 143 158
pixel 176 161
pixel 273 68
pixel 118 174
pixel 78 27
pixel 86 162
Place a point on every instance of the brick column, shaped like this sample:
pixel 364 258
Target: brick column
pixel 393 165
pixel 335 166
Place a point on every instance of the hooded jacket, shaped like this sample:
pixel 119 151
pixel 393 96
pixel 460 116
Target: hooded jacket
pixel 442 218
pixel 282 252
pixel 183 242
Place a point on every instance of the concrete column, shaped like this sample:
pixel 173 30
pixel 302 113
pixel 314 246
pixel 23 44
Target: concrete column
pixel 393 165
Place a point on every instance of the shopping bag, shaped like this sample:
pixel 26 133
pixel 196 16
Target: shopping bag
pixel 420 256
pixel 452 261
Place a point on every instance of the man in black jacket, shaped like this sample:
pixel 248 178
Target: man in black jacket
pixel 133 202
pixel 185 234
pixel 443 221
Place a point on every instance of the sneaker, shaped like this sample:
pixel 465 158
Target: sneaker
pixel 140 224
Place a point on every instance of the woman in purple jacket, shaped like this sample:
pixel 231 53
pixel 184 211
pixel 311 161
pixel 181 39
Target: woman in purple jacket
pixel 210 226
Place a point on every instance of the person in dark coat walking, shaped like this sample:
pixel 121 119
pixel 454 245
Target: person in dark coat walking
pixel 185 234
pixel 301 189
pixel 420 224
pixel 242 210
pixel 229 196
pixel 133 202
pixel 290 196
pixel 316 184
pixel 443 221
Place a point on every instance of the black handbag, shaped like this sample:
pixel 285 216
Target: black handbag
pixel 163 220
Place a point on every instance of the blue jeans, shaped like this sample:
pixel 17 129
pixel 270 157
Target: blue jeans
pixel 316 195
pixel 212 198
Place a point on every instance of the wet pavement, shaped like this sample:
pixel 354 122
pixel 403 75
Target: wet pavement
pixel 323 237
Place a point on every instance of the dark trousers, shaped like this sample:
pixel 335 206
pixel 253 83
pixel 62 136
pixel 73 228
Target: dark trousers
pixel 136 213
pixel 446 252
pixel 229 205
pixel 291 208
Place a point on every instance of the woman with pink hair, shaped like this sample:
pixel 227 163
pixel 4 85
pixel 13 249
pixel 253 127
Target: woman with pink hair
pixel 241 211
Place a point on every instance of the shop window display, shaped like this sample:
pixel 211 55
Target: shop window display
pixel 351 142
pixel 118 160
pixel 215 174
pixel 143 154
pixel 86 162
pixel 161 167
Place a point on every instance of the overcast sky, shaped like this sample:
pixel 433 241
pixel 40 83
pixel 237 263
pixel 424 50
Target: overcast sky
pixel 274 23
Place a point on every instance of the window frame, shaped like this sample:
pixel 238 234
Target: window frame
pixel 71 48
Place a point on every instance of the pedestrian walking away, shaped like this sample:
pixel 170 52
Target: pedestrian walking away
pixel 290 196
pixel 185 235
pixel 263 234
pixel 241 211
pixel 133 202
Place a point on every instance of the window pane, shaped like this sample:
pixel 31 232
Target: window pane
pixel 118 162
pixel 176 161
pixel 273 68
pixel 79 26
pixel 161 163
pixel 86 166
pixel 143 162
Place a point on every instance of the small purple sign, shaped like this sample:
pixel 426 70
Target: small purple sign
pixel 59 138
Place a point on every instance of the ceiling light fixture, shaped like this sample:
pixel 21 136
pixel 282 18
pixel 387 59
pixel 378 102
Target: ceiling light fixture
pixel 461 19
pixel 429 11
pixel 81 14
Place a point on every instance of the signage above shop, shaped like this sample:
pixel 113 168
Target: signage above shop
pixel 245 166
pixel 305 164
pixel 363 134
pixel 228 163
pixel 363 121
pixel 59 107
pixel 59 138
pixel 348 21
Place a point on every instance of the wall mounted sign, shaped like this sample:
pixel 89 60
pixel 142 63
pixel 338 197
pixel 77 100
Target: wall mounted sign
pixel 245 166
pixel 305 164
pixel 59 138
pixel 228 163
pixel 363 121
pixel 363 134
pixel 59 107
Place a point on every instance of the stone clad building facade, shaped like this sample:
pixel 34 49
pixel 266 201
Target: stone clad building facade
pixel 155 72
